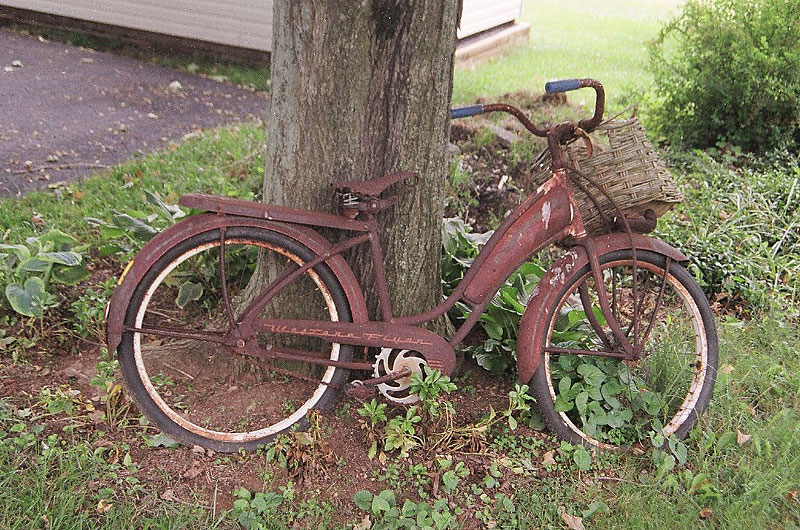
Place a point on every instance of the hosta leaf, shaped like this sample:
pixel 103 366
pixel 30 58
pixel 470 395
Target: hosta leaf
pixel 69 275
pixel 28 300
pixel 63 257
pixel 135 227
pixel 58 240
pixel 493 362
pixel 33 265
pixel 188 292
pixel 21 251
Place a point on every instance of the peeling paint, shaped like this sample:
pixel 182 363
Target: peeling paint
pixel 546 214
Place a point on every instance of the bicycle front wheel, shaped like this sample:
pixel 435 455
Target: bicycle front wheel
pixel 196 388
pixel 588 396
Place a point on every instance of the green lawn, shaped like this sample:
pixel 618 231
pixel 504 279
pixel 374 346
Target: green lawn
pixel 604 39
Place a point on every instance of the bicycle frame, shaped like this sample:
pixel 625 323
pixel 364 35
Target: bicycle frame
pixel 547 216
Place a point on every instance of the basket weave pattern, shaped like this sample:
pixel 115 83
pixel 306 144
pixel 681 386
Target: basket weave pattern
pixel 630 171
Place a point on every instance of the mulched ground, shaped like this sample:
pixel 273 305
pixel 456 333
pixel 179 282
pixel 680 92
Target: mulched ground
pixel 68 111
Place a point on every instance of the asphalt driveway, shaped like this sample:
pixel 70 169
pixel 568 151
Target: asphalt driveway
pixel 66 111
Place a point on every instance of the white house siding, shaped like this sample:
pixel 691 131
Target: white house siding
pixel 480 15
pixel 242 23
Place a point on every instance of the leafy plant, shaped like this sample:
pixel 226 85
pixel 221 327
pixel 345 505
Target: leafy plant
pixel 255 511
pixel 729 70
pixel 401 431
pixel 500 320
pixel 27 270
pixel 88 311
pixel 116 402
pixel 386 514
pixel 128 232
pixel 373 414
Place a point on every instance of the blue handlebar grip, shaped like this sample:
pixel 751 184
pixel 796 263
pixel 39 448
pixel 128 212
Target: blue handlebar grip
pixel 564 85
pixel 464 112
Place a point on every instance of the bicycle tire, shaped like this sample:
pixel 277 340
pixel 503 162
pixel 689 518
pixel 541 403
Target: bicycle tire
pixel 194 390
pixel 663 392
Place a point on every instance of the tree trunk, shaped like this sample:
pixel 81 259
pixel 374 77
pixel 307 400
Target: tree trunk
pixel 359 90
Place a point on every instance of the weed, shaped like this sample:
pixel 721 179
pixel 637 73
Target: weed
pixel 88 311
pixel 373 414
pixel 117 404
pixel 401 432
pixel 386 513
pixel 301 453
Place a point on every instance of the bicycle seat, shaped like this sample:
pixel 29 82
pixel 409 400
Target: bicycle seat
pixel 374 187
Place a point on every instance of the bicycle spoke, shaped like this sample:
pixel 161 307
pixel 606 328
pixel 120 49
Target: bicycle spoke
pixel 223 278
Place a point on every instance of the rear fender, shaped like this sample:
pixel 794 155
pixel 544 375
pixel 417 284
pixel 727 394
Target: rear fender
pixel 533 325
pixel 196 224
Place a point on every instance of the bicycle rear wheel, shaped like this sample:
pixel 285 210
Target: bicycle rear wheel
pixel 197 389
pixel 604 401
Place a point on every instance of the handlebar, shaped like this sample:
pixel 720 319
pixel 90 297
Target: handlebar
pixel 563 131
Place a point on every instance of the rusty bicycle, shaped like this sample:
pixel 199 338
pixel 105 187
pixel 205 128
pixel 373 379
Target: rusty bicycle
pixel 233 324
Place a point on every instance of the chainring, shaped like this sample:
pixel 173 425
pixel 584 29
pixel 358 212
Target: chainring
pixel 392 360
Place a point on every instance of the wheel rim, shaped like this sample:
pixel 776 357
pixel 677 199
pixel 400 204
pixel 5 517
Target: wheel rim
pixel 680 306
pixel 193 425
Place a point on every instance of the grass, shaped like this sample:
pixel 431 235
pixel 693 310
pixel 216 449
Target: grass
pixel 753 485
pixel 574 38
pixel 62 481
pixel 227 161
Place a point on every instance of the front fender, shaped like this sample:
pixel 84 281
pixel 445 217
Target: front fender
pixel 196 224
pixel 533 325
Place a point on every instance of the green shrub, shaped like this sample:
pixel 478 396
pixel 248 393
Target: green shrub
pixel 739 227
pixel 729 71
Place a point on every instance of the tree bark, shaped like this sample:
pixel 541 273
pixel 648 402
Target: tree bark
pixel 361 89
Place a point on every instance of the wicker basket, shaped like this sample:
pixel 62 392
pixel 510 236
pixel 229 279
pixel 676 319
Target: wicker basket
pixel 629 170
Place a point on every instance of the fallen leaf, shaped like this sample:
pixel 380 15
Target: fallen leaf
pixel 725 369
pixel 194 471
pixel 168 495
pixel 87 60
pixel 742 438
pixel 365 524
pixel 104 505
pixel 96 416
pixel 16 64
pixel 196 449
pixel 548 458
pixel 8 69
pixel 152 116
pixel 37 220
pixel 706 513
pixel 160 440
pixel 791 495
pixel 573 522
pixel 176 86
